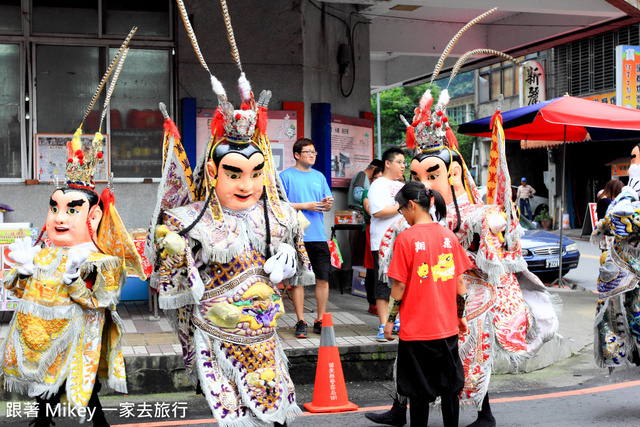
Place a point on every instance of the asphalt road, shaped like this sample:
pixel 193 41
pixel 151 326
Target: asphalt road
pixel 571 393
pixel 586 274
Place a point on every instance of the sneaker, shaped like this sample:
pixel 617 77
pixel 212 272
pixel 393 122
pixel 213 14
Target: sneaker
pixel 373 310
pixel 317 326
pixel 301 329
pixel 396 327
pixel 380 337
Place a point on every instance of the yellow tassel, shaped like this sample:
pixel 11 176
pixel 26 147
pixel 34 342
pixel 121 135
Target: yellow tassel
pixel 75 142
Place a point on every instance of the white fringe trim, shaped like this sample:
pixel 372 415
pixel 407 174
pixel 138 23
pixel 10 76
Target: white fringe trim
pixel 281 415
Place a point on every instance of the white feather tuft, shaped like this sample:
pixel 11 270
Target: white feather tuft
pixel 444 97
pixel 217 86
pixel 426 99
pixel 245 88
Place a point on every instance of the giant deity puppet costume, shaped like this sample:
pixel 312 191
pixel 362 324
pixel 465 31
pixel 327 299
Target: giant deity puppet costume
pixel 509 312
pixel 224 240
pixel 64 338
pixel 617 324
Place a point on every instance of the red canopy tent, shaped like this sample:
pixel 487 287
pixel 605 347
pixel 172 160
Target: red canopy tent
pixel 563 119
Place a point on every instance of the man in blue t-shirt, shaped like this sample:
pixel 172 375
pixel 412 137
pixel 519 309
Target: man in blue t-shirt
pixel 309 192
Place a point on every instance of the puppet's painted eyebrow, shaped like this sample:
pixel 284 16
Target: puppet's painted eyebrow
pixel 231 168
pixel 433 168
pixel 52 202
pixel 260 166
pixel 74 203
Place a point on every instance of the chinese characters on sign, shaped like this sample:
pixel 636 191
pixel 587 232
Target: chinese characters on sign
pixel 533 86
pixel 332 382
pixel 628 76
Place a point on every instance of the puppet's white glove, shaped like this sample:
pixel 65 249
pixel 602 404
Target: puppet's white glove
pixel 634 178
pixel 22 252
pixel 75 259
pixel 282 265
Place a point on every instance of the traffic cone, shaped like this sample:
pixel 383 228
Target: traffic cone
pixel 330 390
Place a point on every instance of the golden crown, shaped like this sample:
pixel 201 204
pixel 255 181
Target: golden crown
pixel 82 161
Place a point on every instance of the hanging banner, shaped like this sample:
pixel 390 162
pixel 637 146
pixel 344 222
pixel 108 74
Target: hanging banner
pixel 628 76
pixel 532 83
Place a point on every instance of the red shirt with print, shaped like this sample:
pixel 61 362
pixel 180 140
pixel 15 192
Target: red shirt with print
pixel 428 258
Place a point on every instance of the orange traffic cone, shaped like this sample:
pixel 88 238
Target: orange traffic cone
pixel 330 390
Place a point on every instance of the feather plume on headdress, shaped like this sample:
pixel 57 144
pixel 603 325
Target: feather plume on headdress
pixel 454 40
pixel 430 130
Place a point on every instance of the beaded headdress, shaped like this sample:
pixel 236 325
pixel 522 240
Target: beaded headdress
pixel 430 130
pixel 247 125
pixel 81 165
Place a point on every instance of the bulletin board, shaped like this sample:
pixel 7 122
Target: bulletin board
pixel 51 156
pixel 282 131
pixel 351 148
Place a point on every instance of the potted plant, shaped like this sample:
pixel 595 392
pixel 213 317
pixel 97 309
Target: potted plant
pixel 544 219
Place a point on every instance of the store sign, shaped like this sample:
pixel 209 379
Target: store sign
pixel 532 83
pixel 628 76
pixel 605 98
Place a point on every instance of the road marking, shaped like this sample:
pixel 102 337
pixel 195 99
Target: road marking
pixel 579 392
pixel 590 256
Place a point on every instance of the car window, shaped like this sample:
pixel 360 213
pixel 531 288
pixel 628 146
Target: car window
pixel 526 224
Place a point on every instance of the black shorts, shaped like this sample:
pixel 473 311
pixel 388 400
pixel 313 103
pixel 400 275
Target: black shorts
pixel 320 258
pixel 380 289
pixel 428 369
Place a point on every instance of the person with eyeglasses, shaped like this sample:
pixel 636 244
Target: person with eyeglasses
pixel 308 191
pixel 384 212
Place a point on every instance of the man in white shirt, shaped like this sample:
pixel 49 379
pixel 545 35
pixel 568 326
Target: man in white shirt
pixel 384 212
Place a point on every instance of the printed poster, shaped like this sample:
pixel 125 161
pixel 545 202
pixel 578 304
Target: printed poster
pixel 8 233
pixel 51 156
pixel 282 131
pixel 351 148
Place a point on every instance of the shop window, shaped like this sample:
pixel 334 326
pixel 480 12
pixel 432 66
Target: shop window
pixel 65 16
pixel 10 16
pixel 10 117
pixel 497 79
pixel 457 114
pixel 67 77
pixel 136 121
pixel 150 16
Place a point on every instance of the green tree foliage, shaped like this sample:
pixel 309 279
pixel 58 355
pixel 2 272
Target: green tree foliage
pixel 403 100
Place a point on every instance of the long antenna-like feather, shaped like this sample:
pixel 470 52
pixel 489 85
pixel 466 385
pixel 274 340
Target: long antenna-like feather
pixel 453 41
pixel 460 62
pixel 110 69
pixel 232 39
pixel 192 35
pixel 112 86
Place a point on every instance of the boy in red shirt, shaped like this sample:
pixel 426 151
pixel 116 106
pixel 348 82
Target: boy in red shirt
pixel 429 292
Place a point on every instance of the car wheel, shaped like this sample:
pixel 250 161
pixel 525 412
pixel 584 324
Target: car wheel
pixel 539 208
